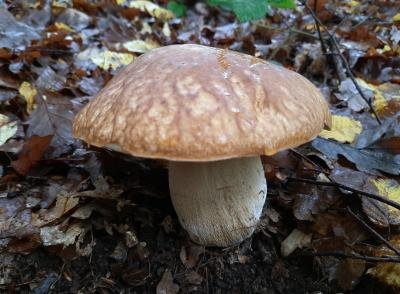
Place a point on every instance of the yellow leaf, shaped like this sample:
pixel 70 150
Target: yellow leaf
pixel 108 59
pixel 61 3
pixel 396 17
pixel 383 94
pixel 120 2
pixel 344 129
pixel 140 46
pixel 387 272
pixel 63 26
pixel 388 189
pixel 166 30
pixel 152 9
pixel 7 128
pixel 28 92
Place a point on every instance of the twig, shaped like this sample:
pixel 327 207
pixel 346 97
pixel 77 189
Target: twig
pixel 290 30
pixel 344 187
pixel 356 256
pixel 344 60
pixel 321 40
pixel 373 232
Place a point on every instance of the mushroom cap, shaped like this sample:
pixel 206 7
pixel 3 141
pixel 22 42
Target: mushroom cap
pixel 198 103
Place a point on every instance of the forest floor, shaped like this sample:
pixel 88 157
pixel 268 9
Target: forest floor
pixel 75 218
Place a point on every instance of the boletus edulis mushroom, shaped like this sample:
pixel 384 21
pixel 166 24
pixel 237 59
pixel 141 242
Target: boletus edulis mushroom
pixel 211 113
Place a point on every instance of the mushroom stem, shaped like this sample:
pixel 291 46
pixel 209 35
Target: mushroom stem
pixel 218 203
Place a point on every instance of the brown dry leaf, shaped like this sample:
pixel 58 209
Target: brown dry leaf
pixel 167 285
pixel 64 204
pixel 194 278
pixel 296 239
pixel 190 255
pixel 331 224
pixel 31 153
pixel 349 272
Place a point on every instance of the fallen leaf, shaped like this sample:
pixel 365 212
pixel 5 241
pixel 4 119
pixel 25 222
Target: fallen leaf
pixel 349 272
pixel 296 239
pixel 7 128
pixel 343 129
pixel 31 153
pixel 74 19
pixel 367 160
pixel 140 46
pixel 349 93
pixel 387 272
pixel 55 236
pixel 103 58
pixel 152 9
pixel 166 285
pixel 190 255
pixel 380 213
pixel 194 278
pixel 64 204
pixel 28 92
pixel 11 27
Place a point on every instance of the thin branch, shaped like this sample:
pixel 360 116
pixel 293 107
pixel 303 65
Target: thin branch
pixel 356 256
pixel 289 29
pixel 344 60
pixel 321 40
pixel 344 187
pixel 373 232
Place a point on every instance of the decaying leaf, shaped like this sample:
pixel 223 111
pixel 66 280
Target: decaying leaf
pixel 140 46
pixel 296 239
pixel 167 285
pixel 190 255
pixel 371 161
pixel 349 272
pixel 102 58
pixel 344 129
pixel 387 272
pixel 10 27
pixel 349 93
pixel 64 204
pixel 7 128
pixel 28 92
pixel 380 213
pixel 152 9
pixel 55 236
pixel 31 153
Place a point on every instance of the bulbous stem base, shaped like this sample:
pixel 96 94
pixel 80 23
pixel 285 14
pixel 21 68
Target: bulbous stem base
pixel 218 203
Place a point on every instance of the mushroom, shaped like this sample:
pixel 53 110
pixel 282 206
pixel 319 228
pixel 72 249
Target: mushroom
pixel 211 112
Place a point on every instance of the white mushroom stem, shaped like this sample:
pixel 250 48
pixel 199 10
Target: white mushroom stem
pixel 218 203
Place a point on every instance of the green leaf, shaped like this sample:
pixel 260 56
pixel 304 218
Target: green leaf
pixel 245 10
pixel 282 3
pixel 178 8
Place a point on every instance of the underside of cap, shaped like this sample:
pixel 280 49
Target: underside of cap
pixel 197 103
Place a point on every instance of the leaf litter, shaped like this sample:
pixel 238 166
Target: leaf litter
pixel 84 205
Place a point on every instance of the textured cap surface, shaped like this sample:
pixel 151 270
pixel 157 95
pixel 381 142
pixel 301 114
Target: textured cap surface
pixel 197 103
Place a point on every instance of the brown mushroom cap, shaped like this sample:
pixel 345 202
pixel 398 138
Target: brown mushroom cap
pixel 197 103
